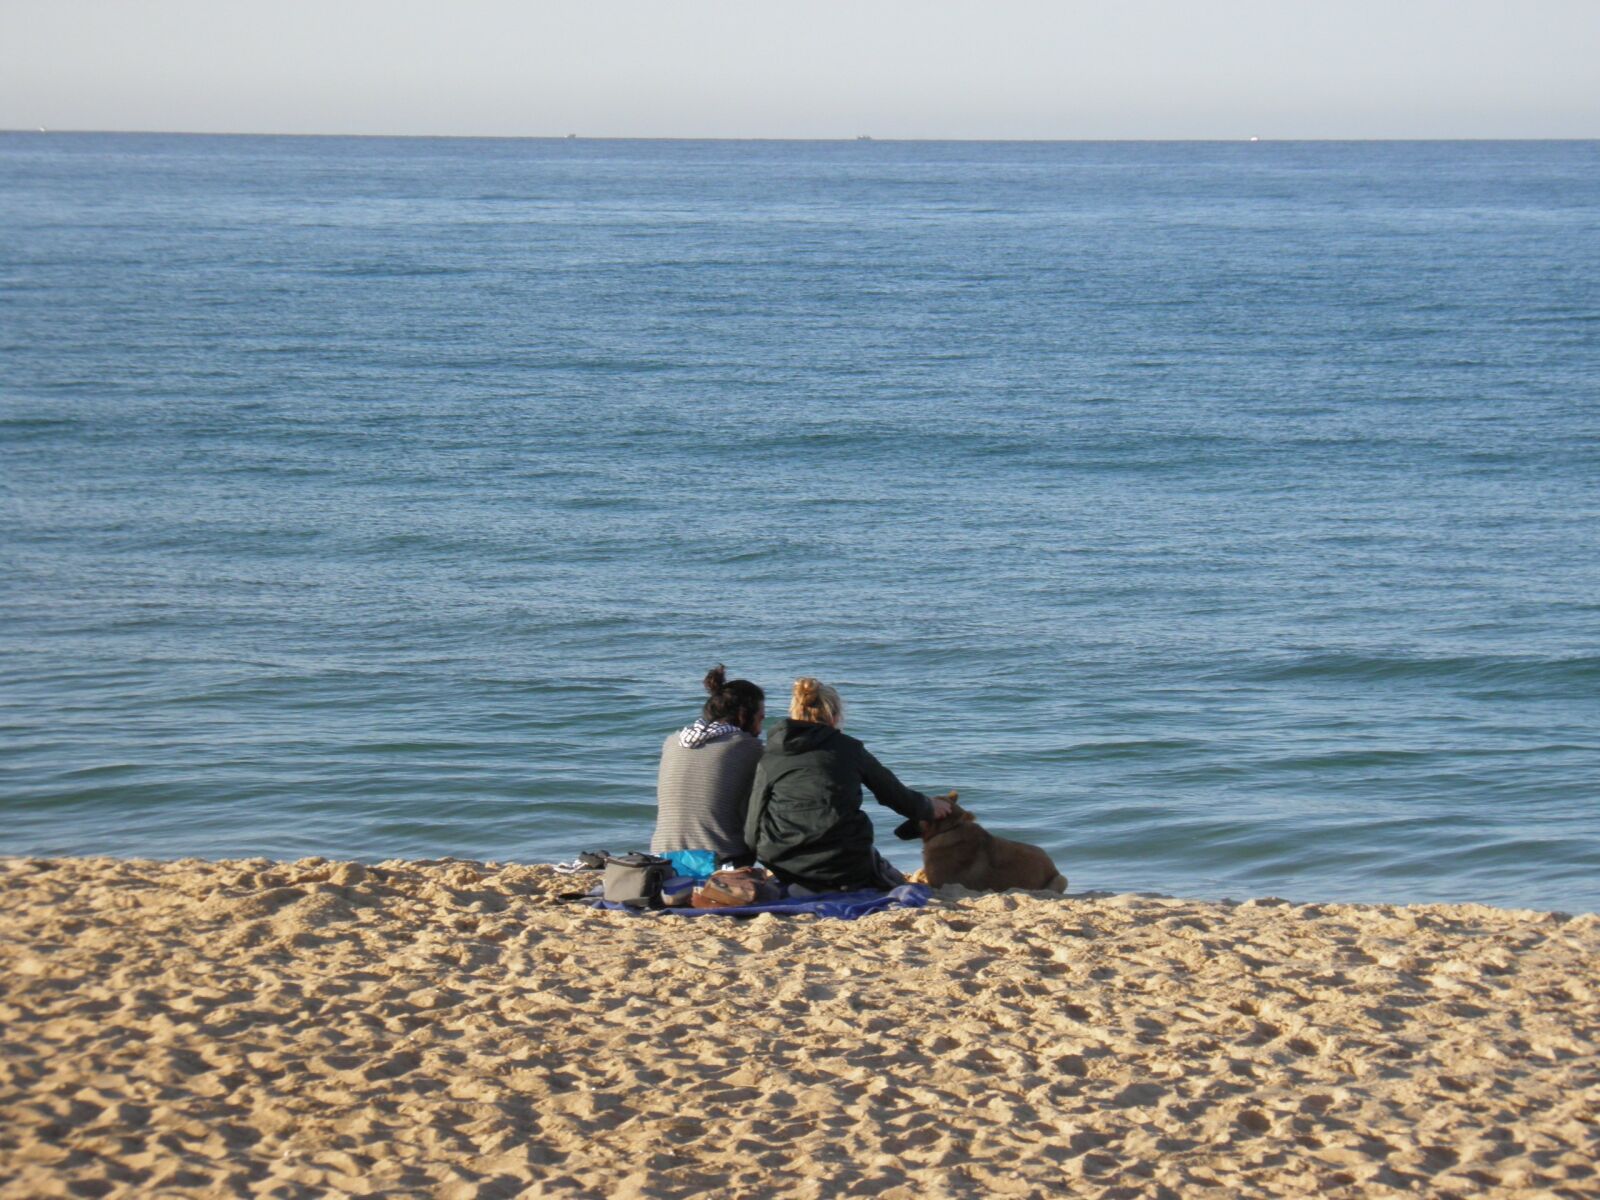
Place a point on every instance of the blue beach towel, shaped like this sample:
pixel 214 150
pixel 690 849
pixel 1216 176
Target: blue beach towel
pixel 844 906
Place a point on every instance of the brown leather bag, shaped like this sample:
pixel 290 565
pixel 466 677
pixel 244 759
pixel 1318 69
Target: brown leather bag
pixel 736 889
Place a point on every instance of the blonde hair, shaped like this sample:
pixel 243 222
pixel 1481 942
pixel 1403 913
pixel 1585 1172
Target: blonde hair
pixel 815 701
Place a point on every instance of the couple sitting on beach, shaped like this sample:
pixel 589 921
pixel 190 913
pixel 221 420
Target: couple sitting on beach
pixel 793 803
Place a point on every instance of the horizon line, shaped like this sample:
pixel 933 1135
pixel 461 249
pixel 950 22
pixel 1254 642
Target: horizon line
pixel 610 137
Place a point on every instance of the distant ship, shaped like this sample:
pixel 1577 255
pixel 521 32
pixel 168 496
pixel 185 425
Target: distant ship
pixel 863 137
pixel 1255 139
pixel 572 137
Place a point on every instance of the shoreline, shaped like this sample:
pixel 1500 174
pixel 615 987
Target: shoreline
pixel 448 1028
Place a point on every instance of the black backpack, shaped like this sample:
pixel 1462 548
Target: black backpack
pixel 635 879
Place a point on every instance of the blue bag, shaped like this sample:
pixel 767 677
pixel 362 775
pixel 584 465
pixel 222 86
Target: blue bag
pixel 694 864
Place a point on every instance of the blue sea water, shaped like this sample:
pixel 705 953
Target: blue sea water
pixel 1222 517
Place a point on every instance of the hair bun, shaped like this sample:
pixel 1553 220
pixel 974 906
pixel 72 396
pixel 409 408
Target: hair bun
pixel 716 679
pixel 816 701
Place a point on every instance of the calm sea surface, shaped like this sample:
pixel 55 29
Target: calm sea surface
pixel 1225 518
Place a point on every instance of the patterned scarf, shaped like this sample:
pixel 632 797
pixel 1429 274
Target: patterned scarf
pixel 703 731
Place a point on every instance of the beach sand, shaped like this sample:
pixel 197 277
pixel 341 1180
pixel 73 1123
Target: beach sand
pixel 448 1029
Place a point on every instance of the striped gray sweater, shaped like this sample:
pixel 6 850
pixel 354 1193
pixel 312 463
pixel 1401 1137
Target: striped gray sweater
pixel 702 794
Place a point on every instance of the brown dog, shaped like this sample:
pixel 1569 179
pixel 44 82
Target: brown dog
pixel 956 849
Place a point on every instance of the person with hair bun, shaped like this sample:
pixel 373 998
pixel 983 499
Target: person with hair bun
pixel 704 780
pixel 805 820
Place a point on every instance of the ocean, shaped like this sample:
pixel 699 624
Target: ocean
pixel 1220 516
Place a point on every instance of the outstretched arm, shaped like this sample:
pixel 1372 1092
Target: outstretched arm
pixel 891 793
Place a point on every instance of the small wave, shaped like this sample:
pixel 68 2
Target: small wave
pixel 1578 318
pixel 1341 760
pixel 1476 669
pixel 619 366
pixel 1115 750
pixel 602 501
pixel 822 437
pixel 38 424
pixel 102 771
pixel 418 748
pixel 397 271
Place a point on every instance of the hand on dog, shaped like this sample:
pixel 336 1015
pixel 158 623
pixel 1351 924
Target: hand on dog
pixel 941 805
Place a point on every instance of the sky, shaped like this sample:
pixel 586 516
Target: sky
pixel 808 68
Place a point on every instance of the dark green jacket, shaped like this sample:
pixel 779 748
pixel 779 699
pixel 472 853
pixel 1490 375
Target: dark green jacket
pixel 805 820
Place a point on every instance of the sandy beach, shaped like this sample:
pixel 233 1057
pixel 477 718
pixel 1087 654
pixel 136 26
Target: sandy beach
pixel 450 1029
